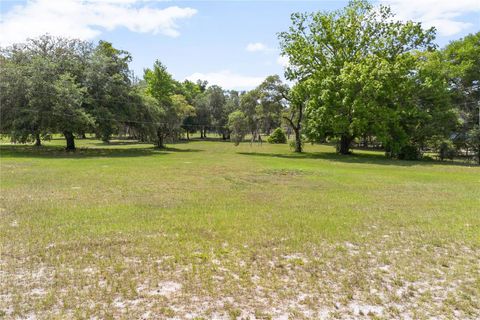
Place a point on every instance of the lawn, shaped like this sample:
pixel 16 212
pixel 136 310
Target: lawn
pixel 208 230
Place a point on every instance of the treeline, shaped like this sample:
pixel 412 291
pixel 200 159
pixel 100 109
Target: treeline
pixel 361 79
pixel 56 85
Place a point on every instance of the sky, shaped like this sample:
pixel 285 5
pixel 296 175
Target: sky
pixel 229 43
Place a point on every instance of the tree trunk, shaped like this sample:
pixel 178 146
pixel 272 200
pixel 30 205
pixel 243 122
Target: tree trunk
pixel 38 142
pixel 160 143
pixel 298 140
pixel 70 139
pixel 83 135
pixel 345 142
pixel 188 136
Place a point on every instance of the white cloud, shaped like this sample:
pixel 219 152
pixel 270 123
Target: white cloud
pixel 86 19
pixel 256 47
pixel 445 15
pixel 283 61
pixel 227 80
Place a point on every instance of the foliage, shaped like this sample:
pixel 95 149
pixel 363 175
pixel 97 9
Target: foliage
pixel 172 108
pixel 271 103
pixel 277 136
pixel 358 74
pixel 359 61
pixel 409 152
pixel 29 73
pixel 238 125
pixel 461 63
pixel 248 106
pixel 108 85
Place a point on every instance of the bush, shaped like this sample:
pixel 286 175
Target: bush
pixel 409 152
pixel 277 136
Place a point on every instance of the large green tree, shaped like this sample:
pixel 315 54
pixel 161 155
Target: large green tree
pixel 173 107
pixel 238 125
pixel 249 102
pixel 338 52
pixel 109 85
pixel 219 115
pixel 461 60
pixel 28 93
pixel 272 102
pixel 68 115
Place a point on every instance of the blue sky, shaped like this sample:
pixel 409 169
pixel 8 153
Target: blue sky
pixel 230 43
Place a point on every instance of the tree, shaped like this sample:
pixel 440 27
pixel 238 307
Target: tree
pixel 17 117
pixel 461 62
pixel 40 95
pixel 248 105
pixel 297 98
pixel 145 113
pixel 216 99
pixel 232 104
pixel 181 111
pixel 330 49
pixel 173 107
pixel 272 102
pixel 203 118
pixel 161 86
pixel 108 83
pixel 67 112
pixel 238 125
pixel 31 70
pixel 191 90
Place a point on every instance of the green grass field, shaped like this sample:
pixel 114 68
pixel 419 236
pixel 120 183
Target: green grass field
pixel 209 230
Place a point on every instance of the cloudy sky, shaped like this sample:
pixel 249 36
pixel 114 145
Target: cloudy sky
pixel 230 43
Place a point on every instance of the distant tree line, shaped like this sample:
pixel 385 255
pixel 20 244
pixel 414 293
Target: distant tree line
pixel 57 85
pixel 360 79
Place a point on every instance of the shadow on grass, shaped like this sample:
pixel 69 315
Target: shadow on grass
pixel 171 149
pixel 378 159
pixel 208 139
pixel 119 143
pixel 54 152
pixel 131 143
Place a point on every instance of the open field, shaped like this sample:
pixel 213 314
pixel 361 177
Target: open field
pixel 209 230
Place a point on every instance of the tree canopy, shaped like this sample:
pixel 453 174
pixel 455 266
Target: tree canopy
pixel 357 77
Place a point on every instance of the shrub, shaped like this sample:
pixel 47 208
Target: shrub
pixel 409 152
pixel 277 136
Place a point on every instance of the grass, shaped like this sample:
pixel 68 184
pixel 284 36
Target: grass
pixel 209 230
